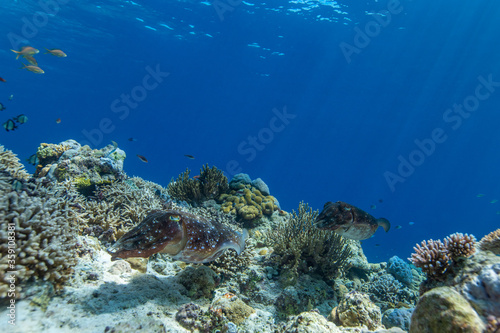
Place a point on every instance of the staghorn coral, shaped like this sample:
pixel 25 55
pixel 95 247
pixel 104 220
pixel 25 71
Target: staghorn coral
pixel 210 184
pixel 118 207
pixel 460 245
pixel 491 242
pixel 36 238
pixel 432 257
pixel 301 248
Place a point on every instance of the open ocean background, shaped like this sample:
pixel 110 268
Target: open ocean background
pixel 231 63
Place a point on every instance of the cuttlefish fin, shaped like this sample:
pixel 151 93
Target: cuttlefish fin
pixel 327 204
pixel 384 223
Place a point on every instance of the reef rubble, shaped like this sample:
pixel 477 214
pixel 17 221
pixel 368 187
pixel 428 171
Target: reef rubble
pixel 289 277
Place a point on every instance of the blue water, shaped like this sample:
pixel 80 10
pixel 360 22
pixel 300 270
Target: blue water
pixel 346 120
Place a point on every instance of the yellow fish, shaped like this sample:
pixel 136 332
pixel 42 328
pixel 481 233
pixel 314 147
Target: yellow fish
pixel 26 50
pixel 33 69
pixel 30 59
pixel 56 52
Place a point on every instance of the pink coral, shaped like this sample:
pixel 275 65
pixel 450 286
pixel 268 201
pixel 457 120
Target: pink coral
pixel 432 257
pixel 460 245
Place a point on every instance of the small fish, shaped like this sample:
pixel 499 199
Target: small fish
pixel 398 227
pixel 183 236
pixel 498 212
pixel 17 185
pixel 31 60
pixel 56 52
pixel 197 177
pixel 494 201
pixel 191 157
pixel 33 159
pixel 58 120
pixel 33 69
pixel 142 158
pixel 2 107
pixel 9 125
pixel 380 200
pixel 132 139
pixel 21 119
pixel 480 195
pixel 2 79
pixel 373 206
pixel 411 223
pixel 349 221
pixel 11 97
pixel 25 50
pixel 377 245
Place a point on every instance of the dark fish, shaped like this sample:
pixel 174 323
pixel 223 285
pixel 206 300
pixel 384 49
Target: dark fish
pixel 33 159
pixel 349 221
pixel 2 79
pixel 21 119
pixel 132 139
pixel 58 120
pixel 142 158
pixel 2 107
pixel 398 227
pixel 190 157
pixel 17 185
pixel 380 200
pixel 9 125
pixel 183 236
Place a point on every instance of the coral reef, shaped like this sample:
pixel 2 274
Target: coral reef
pixel 11 167
pixel 37 240
pixel 491 242
pixel 199 282
pixel 246 201
pixel 387 292
pixel 400 270
pixel 86 167
pixel 299 247
pixel 309 322
pixel 445 310
pixel 210 184
pixel 356 310
pixel 397 318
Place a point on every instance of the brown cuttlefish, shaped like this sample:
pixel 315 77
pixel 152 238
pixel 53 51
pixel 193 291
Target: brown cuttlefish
pixel 184 236
pixel 349 221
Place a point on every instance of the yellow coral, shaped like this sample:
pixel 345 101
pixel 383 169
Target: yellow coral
pixel 82 183
pixel 249 212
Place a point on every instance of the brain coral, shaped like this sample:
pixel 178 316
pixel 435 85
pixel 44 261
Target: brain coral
pixel 36 238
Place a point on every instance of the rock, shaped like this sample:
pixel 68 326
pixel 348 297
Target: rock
pixel 484 291
pixel 398 318
pixel 356 310
pixel 309 322
pixel 239 180
pixel 233 308
pixel 261 186
pixel 444 310
pixel 120 267
pixel 200 281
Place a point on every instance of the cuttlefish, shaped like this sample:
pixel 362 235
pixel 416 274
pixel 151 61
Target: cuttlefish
pixel 349 221
pixel 183 236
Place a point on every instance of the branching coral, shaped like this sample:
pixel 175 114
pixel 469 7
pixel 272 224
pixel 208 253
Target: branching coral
pixel 432 257
pixel 300 247
pixel 491 242
pixel 435 257
pixel 460 245
pixel 387 292
pixel 210 184
pixel 9 163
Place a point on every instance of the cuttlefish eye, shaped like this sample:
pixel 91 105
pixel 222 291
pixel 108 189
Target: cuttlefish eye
pixel 175 218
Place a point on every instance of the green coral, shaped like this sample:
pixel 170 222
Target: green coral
pixel 210 184
pixel 299 247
